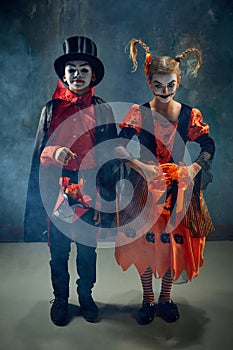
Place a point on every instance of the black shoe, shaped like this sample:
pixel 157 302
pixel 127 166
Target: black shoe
pixel 89 310
pixel 168 311
pixel 146 313
pixel 59 311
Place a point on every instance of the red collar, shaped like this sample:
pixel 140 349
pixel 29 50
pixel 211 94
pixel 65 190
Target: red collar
pixel 84 100
pixel 65 94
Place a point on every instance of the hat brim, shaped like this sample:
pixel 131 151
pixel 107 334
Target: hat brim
pixel 95 63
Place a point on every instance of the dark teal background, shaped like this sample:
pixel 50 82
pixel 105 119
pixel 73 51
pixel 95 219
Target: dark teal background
pixel 31 37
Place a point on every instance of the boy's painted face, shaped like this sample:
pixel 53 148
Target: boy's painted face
pixel 164 86
pixel 78 75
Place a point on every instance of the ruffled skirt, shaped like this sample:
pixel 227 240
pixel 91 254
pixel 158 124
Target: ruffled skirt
pixel 149 240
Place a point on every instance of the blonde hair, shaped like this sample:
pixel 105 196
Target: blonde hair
pixel 162 65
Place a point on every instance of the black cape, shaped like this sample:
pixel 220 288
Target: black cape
pixel 36 218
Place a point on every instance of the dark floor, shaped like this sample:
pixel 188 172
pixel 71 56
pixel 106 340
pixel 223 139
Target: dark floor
pixel 205 305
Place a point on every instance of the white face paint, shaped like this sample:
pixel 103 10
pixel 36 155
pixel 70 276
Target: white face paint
pixel 164 86
pixel 78 75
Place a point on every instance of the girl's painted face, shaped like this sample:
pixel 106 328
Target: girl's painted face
pixel 164 86
pixel 78 75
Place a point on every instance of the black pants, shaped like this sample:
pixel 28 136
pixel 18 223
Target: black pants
pixel 60 247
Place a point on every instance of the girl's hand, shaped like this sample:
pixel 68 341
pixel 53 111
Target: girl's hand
pixel 188 172
pixel 150 172
pixel 64 155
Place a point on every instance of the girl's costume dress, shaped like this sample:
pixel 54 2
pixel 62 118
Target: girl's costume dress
pixel 165 224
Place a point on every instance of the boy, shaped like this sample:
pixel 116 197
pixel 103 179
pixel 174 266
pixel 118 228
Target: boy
pixel 58 147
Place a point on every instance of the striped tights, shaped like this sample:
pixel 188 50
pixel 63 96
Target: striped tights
pixel 166 287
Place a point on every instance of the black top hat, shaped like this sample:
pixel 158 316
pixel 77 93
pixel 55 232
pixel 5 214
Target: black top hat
pixel 80 48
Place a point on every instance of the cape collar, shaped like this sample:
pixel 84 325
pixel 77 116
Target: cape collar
pixel 65 94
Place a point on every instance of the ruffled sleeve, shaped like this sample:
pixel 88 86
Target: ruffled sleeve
pixel 133 119
pixel 46 157
pixel 197 126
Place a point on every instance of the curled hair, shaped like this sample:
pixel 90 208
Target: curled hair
pixel 162 65
pixel 168 65
pixel 180 57
pixel 133 52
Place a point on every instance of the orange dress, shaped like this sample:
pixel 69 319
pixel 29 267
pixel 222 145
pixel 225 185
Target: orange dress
pixel 150 233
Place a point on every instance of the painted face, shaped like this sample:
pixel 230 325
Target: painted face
pixel 164 86
pixel 78 75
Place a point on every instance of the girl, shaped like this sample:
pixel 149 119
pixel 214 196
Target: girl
pixel 162 231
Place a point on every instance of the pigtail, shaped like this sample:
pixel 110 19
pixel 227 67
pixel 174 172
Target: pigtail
pixel 133 52
pixel 180 57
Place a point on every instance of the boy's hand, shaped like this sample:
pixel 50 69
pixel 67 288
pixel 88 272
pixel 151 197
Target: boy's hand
pixel 97 217
pixel 64 155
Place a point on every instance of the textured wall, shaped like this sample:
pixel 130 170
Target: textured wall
pixel 31 37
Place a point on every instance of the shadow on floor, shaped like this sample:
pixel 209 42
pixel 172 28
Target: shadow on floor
pixel 117 324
